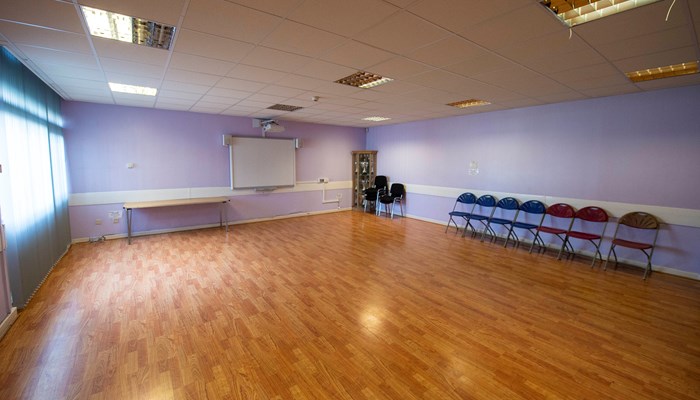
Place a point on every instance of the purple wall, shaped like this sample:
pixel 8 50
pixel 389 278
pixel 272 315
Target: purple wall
pixel 174 149
pixel 638 149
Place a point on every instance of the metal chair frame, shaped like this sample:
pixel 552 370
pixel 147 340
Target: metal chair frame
pixel 486 200
pixel 560 211
pixel 589 214
pixel 366 199
pixel 529 207
pixel 508 204
pixel 636 220
pixel 464 198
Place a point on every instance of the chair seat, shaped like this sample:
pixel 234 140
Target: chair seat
pixel 501 221
pixel 631 245
pixel 552 230
pixel 460 214
pixel 583 235
pixel 524 225
pixel 479 217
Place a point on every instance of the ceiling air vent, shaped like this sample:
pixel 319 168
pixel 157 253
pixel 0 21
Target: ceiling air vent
pixel 284 107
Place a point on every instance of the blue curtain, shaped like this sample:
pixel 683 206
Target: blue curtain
pixel 33 182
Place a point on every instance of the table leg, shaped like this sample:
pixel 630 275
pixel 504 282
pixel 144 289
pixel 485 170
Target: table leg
pixel 128 224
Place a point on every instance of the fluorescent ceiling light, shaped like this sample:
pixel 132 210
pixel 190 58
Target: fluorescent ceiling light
pixel 592 10
pixel 376 119
pixel 668 71
pixel 364 80
pixel 128 29
pixel 132 89
pixel 469 103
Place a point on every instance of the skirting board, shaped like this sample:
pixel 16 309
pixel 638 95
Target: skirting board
pixel 215 225
pixel 589 254
pixel 7 322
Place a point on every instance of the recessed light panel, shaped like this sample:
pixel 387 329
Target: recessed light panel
pixel 284 107
pixel 469 103
pixel 376 119
pixel 686 68
pixel 128 29
pixel 588 11
pixel 364 80
pixel 132 89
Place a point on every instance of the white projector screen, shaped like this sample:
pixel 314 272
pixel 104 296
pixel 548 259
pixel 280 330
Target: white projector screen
pixel 262 163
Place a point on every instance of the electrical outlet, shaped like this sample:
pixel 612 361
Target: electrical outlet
pixel 115 220
pixel 98 221
pixel 322 180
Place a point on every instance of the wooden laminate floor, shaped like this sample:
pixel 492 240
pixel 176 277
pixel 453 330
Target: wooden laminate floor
pixel 348 306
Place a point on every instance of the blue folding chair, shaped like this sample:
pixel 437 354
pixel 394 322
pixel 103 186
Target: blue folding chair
pixel 484 202
pixel 532 207
pixel 465 201
pixel 507 205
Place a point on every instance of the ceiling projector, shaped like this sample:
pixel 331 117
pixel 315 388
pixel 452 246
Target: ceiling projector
pixel 271 126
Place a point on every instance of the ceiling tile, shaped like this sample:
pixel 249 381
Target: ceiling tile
pixel 655 42
pixel 230 20
pixel 229 93
pixel 399 68
pixel 523 81
pixel 47 56
pixel 257 74
pixel 325 70
pixel 267 98
pixel 163 11
pixel 56 70
pixel 210 46
pixel 515 26
pixel 402 33
pixel 240 84
pixel 43 37
pixel 180 75
pixel 300 82
pixel 46 13
pixel 132 68
pixel 611 90
pixel 174 94
pixel 342 17
pixel 195 63
pixel 281 91
pixel 458 15
pixel 450 50
pixel 184 87
pixel 301 39
pixel 356 55
pixel 274 59
pixel 130 52
pixel 483 62
pixel 626 25
pixel 276 7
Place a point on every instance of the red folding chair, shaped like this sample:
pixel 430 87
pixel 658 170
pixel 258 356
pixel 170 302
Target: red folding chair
pixel 587 214
pixel 561 212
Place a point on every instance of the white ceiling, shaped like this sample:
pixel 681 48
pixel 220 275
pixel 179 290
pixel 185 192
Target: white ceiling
pixel 239 57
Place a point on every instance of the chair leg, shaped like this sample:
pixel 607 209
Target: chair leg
pixel 566 239
pixel 647 271
pixel 597 253
pixel 537 235
pixel 607 259
pixel 392 210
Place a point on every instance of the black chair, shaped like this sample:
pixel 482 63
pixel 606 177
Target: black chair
pixel 370 194
pixel 394 196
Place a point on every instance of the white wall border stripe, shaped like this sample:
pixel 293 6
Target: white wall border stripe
pixel 96 198
pixel 668 215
